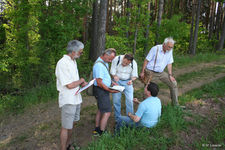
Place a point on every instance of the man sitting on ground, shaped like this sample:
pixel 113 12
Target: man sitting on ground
pixel 148 112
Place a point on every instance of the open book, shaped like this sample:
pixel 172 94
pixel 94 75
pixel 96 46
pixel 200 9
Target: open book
pixel 85 87
pixel 118 88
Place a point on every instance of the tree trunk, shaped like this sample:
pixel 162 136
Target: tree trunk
pixel 101 28
pixel 147 29
pixel 128 18
pixel 160 12
pixel 171 9
pixel 212 19
pixel 222 36
pixel 218 20
pixel 136 30
pixel 94 31
pixel 192 26
pixel 196 28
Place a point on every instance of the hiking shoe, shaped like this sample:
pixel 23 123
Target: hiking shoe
pixel 96 133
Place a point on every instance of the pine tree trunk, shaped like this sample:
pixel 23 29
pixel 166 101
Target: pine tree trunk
pixel 212 19
pixel 101 28
pixel 192 26
pixel 128 18
pixel 136 30
pixel 94 31
pixel 160 12
pixel 222 36
pixel 196 28
pixel 147 29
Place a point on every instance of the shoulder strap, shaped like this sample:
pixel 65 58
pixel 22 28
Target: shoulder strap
pixel 155 58
pixel 118 61
pixel 103 64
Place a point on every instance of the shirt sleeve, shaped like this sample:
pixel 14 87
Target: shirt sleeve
pixel 135 69
pixel 63 74
pixel 113 66
pixel 98 71
pixel 140 110
pixel 170 60
pixel 151 53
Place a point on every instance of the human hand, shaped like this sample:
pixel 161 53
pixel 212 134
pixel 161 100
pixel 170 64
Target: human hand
pixel 114 91
pixel 129 82
pixel 84 84
pixel 129 114
pixel 114 83
pixel 172 78
pixel 136 100
pixel 116 78
pixel 142 75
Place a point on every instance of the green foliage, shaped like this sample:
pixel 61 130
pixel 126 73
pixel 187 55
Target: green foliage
pixel 177 29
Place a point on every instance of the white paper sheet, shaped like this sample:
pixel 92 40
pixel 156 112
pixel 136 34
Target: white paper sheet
pixel 85 87
pixel 118 88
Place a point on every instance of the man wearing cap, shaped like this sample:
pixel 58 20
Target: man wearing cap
pixel 68 83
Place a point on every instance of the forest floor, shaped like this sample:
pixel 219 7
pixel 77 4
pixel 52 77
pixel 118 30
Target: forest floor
pixel 39 126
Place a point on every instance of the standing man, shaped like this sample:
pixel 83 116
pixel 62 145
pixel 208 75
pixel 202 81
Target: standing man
pixel 101 89
pixel 68 83
pixel 148 112
pixel 157 59
pixel 124 72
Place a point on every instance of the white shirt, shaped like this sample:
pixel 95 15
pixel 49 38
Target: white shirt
pixel 123 72
pixel 163 59
pixel 66 72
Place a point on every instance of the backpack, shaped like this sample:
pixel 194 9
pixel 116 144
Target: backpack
pixel 119 62
pixel 90 90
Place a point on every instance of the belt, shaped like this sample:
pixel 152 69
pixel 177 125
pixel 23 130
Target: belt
pixel 154 71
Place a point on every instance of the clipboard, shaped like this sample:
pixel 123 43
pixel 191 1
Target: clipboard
pixel 85 87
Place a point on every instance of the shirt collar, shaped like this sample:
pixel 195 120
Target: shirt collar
pixel 67 57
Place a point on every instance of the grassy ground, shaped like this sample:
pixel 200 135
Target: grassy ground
pixel 167 133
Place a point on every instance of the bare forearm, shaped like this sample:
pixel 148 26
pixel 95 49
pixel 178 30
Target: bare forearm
pixel 144 65
pixel 75 84
pixel 169 67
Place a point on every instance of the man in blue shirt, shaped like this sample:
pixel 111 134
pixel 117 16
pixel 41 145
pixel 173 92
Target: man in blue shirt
pixel 101 89
pixel 148 112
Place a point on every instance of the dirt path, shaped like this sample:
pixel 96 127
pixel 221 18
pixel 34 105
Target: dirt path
pixel 38 128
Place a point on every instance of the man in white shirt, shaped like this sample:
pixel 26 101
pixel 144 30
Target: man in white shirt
pixel 68 83
pixel 124 72
pixel 157 59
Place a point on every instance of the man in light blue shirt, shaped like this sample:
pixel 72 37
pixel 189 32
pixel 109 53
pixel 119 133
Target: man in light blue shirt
pixel 101 89
pixel 148 112
pixel 159 57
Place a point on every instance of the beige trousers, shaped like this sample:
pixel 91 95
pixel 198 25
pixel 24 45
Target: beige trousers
pixel 164 77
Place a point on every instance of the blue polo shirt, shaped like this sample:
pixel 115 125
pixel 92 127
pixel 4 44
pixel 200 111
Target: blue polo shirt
pixel 149 111
pixel 100 71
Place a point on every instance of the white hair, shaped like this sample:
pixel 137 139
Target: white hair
pixel 74 45
pixel 169 39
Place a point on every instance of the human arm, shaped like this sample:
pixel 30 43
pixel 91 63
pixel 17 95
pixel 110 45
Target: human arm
pixel 136 101
pixel 169 67
pixel 131 81
pixel 103 86
pixel 134 117
pixel 143 68
pixel 75 84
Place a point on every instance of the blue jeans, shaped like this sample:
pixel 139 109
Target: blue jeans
pixel 126 121
pixel 128 91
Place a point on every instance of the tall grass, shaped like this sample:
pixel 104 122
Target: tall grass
pixel 18 102
pixel 160 137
